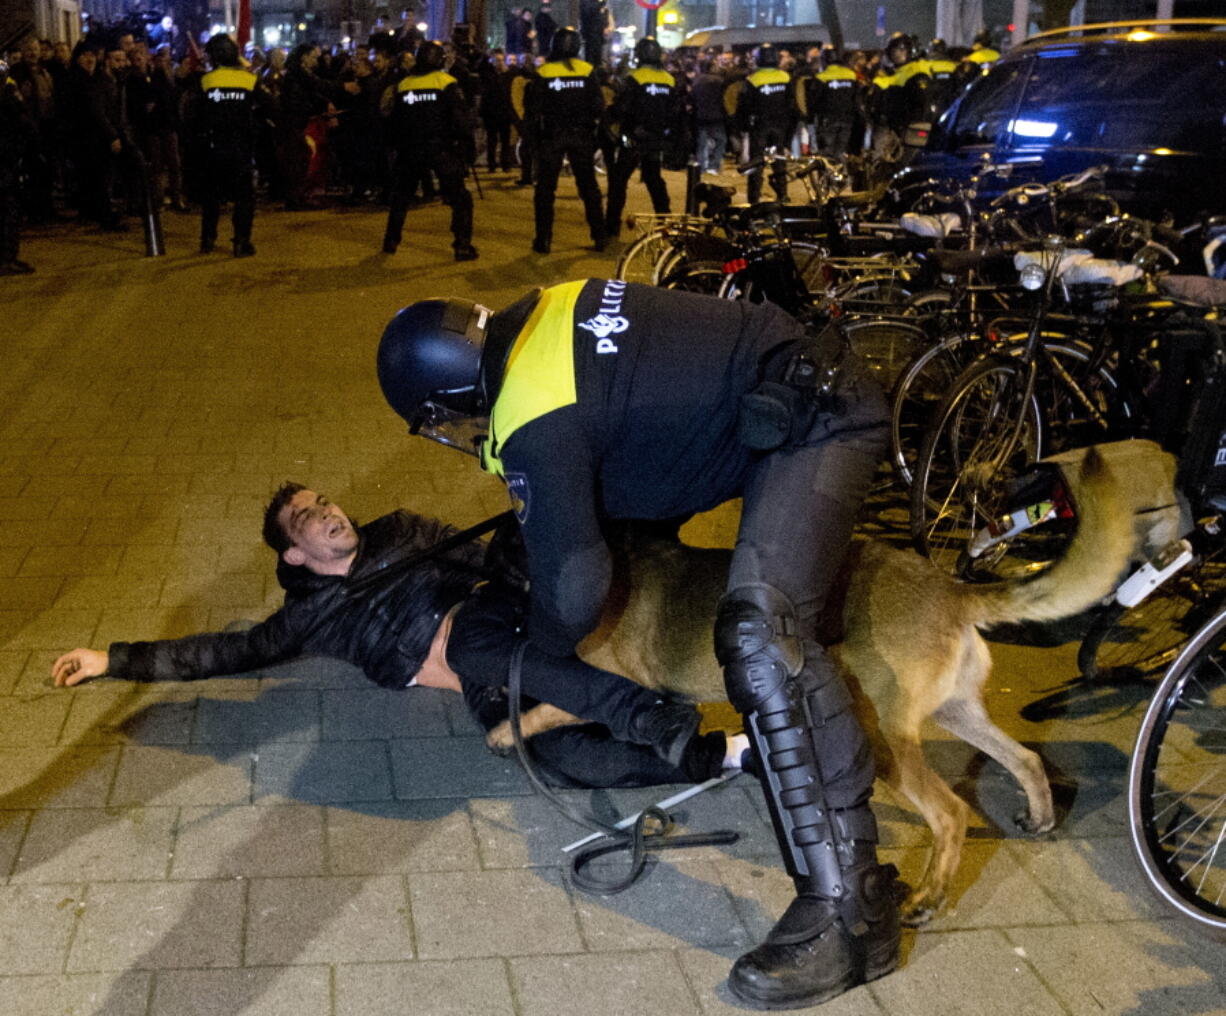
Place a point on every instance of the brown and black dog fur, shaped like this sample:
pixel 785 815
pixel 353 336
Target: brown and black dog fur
pixel 910 648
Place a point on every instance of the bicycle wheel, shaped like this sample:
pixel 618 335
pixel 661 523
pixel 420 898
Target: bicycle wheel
pixel 885 346
pixel 918 391
pixel 1177 783
pixel 639 261
pixel 693 276
pixel 1122 644
pixel 696 265
pixel 982 437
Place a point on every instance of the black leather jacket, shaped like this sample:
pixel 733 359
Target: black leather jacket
pixel 387 632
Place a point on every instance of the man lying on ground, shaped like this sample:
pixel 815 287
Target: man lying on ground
pixel 451 621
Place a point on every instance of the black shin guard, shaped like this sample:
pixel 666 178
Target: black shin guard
pixel 787 692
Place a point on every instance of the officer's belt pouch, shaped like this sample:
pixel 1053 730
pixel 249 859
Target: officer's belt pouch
pixel 770 414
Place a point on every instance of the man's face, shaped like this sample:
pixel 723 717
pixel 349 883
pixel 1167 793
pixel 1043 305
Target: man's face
pixel 319 531
pixel 127 41
pixel 62 52
pixel 116 61
pixel 382 61
pixel 140 58
pixel 310 59
pixel 31 53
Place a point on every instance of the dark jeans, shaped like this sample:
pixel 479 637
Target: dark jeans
pixel 485 633
pixel 581 154
pixel 498 137
pixel 588 755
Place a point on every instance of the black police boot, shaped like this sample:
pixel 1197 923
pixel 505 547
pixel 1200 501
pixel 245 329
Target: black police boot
pixel 206 244
pixel 465 252
pixel 540 246
pixel 243 249
pixel 821 948
pixel 667 728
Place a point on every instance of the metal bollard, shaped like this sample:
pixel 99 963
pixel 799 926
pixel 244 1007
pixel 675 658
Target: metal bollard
pixel 692 173
pixel 151 220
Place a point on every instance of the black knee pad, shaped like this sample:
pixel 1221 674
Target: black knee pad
pixel 756 643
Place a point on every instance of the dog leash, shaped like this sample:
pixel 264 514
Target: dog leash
pixel 640 834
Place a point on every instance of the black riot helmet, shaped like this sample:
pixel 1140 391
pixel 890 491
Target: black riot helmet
pixel 938 50
pixel 222 50
pixel 430 57
pixel 647 52
pixel 767 56
pixel 899 48
pixel 565 45
pixel 429 366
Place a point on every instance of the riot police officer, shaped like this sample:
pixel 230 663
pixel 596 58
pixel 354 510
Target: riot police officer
pixel 941 83
pixel 766 109
pixel 564 102
pixel 894 93
pixel 645 112
pixel 225 128
pixel 600 400
pixel 835 103
pixel 431 133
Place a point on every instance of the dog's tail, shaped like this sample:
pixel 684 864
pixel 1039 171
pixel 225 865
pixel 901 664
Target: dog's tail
pixel 1090 567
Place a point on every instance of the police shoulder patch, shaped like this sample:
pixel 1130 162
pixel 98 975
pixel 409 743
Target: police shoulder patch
pixel 521 498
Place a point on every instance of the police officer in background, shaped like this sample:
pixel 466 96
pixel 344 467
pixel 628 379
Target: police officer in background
pixel 894 95
pixel 766 109
pixel 602 400
pixel 431 133
pixel 938 85
pixel 564 102
pixel 645 112
pixel 836 99
pixel 224 116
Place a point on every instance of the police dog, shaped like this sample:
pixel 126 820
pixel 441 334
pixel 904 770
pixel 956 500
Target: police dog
pixel 910 649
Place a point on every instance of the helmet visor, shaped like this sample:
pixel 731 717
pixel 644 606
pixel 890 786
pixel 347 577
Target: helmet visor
pixel 450 427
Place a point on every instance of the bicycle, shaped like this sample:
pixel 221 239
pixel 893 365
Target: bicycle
pixel 1177 782
pixel 1048 391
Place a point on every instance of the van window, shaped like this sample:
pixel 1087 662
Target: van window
pixel 1125 97
pixel 987 108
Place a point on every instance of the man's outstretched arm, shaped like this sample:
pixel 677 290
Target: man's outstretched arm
pixel 195 656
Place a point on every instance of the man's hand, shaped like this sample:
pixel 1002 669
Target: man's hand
pixel 116 146
pixel 77 666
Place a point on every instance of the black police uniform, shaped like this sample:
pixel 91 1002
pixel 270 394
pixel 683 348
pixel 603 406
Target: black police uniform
pixel 564 102
pixel 836 97
pixel 766 108
pixel 431 133
pixel 226 126
pixel 645 111
pixel 625 401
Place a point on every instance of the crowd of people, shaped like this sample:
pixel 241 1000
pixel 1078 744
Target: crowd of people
pixel 115 125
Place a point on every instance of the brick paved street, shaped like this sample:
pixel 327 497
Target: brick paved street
pixel 303 843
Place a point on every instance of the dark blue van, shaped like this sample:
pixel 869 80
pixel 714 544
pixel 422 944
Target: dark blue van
pixel 1146 99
